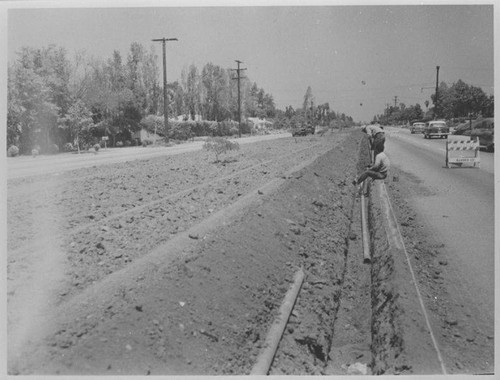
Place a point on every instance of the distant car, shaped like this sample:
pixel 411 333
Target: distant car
pixel 436 128
pixel 417 128
pixel 484 129
pixel 303 130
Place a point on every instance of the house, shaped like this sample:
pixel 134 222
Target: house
pixel 259 124
pixel 183 117
pixel 144 135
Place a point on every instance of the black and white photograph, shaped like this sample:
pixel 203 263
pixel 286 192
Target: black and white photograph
pixel 248 188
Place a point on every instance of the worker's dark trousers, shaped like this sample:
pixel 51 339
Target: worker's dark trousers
pixel 372 174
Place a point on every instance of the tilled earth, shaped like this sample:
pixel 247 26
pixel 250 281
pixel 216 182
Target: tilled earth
pixel 179 265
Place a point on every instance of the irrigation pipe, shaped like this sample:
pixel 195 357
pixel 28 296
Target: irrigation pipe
pixel 364 226
pixel 275 333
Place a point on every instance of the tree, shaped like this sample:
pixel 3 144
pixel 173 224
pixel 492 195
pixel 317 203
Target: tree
pixel 79 123
pixel 31 113
pixel 191 85
pixel 215 94
pixel 308 104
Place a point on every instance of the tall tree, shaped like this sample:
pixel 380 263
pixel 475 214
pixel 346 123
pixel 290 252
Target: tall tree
pixel 308 103
pixel 33 92
pixel 191 85
pixel 215 99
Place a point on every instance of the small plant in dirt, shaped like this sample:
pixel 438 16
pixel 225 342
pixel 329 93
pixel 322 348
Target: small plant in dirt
pixel 220 145
pixel 13 151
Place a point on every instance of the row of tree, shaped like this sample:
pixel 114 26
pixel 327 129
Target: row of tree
pixel 459 100
pixel 53 100
pixel 318 115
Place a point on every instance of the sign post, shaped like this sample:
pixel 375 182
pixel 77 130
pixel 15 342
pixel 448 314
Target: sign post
pixel 105 139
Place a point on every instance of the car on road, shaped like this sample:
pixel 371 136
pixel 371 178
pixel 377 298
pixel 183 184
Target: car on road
pixel 303 130
pixel 417 127
pixel 436 128
pixel 484 130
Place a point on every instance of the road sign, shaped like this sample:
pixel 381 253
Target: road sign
pixel 462 150
pixel 105 138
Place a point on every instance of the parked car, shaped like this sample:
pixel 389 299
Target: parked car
pixel 417 127
pixel 436 128
pixel 303 130
pixel 484 129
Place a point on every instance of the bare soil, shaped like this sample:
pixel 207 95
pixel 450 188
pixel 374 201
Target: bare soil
pixel 179 264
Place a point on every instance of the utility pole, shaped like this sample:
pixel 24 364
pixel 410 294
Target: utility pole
pixel 436 95
pixel 239 96
pixel 395 101
pixel 165 96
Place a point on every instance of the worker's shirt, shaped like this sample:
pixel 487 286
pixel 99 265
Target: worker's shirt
pixel 373 129
pixel 382 163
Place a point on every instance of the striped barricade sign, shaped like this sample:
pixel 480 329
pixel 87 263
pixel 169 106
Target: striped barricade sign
pixel 462 150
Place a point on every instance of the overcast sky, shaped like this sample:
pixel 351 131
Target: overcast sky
pixel 357 58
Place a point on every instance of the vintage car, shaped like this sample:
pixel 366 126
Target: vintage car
pixel 436 128
pixel 484 130
pixel 417 127
pixel 303 130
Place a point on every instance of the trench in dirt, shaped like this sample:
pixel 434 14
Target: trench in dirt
pixel 362 331
pixel 355 329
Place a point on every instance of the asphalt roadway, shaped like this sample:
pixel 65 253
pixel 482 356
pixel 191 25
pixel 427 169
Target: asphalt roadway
pixel 458 206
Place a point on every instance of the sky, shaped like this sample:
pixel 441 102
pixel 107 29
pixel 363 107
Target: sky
pixel 358 58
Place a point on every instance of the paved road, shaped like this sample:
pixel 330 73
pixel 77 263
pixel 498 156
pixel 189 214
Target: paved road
pixel 459 208
pixel 25 166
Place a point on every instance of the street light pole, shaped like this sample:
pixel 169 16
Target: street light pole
pixel 436 108
pixel 165 96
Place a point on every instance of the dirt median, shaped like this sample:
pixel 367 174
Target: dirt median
pixel 196 293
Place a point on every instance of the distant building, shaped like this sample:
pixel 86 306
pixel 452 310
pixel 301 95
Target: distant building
pixel 144 135
pixel 259 124
pixel 183 117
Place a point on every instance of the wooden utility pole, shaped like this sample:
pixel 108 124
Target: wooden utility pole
pixel 395 101
pixel 436 95
pixel 165 96
pixel 239 95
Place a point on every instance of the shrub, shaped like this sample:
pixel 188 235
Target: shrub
pixel 119 144
pixel 234 131
pixel 220 145
pixel 180 130
pixel 35 152
pixel 127 143
pixel 13 151
pixel 97 147
pixel 53 149
pixel 68 147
